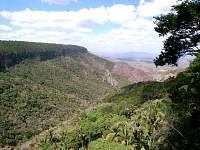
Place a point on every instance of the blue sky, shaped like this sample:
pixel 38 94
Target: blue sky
pixel 14 5
pixel 103 26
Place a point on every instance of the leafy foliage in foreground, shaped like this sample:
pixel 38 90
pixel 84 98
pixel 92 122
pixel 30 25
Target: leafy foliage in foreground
pixel 141 116
pixel 145 129
pixel 124 123
pixel 185 91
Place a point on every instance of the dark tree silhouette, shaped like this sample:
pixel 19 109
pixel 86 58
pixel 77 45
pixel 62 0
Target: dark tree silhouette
pixel 182 27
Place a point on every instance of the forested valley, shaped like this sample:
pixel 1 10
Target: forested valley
pixel 55 96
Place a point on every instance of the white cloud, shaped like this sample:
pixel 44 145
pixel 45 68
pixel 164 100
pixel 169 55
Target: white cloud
pixel 125 40
pixel 142 2
pixel 121 13
pixel 154 7
pixel 59 2
pixel 70 19
pixel 5 28
pixel 140 24
pixel 83 30
pixel 36 36
pixel 135 30
pixel 92 15
pixel 39 19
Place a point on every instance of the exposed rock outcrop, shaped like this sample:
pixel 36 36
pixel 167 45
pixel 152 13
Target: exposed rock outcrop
pixel 109 79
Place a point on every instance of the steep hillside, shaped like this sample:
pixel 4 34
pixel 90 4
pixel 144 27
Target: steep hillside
pixel 132 73
pixel 147 71
pixel 42 85
pixel 127 121
pixel 13 52
pixel 142 116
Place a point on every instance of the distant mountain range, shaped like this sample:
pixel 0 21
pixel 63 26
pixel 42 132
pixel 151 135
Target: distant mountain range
pixel 132 56
pixel 143 57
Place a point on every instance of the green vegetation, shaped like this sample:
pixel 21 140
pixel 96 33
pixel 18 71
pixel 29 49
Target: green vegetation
pixel 152 115
pixel 123 123
pixel 148 116
pixel 36 94
pixel 182 28
pixel 107 145
pixel 182 25
pixel 13 52
pixel 41 88
pixel 185 91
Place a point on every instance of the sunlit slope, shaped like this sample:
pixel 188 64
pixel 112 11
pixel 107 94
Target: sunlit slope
pixel 128 121
pixel 38 93
pixel 142 116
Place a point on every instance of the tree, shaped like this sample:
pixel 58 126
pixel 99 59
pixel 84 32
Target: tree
pixel 182 27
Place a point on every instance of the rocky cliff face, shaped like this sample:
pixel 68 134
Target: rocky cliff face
pixel 118 68
pixel 109 79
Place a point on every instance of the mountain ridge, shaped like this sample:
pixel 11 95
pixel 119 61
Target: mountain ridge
pixel 41 86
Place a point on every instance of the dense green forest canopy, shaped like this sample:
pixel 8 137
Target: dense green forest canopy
pixel 46 84
pixel 182 28
pixel 13 52
pixel 9 47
